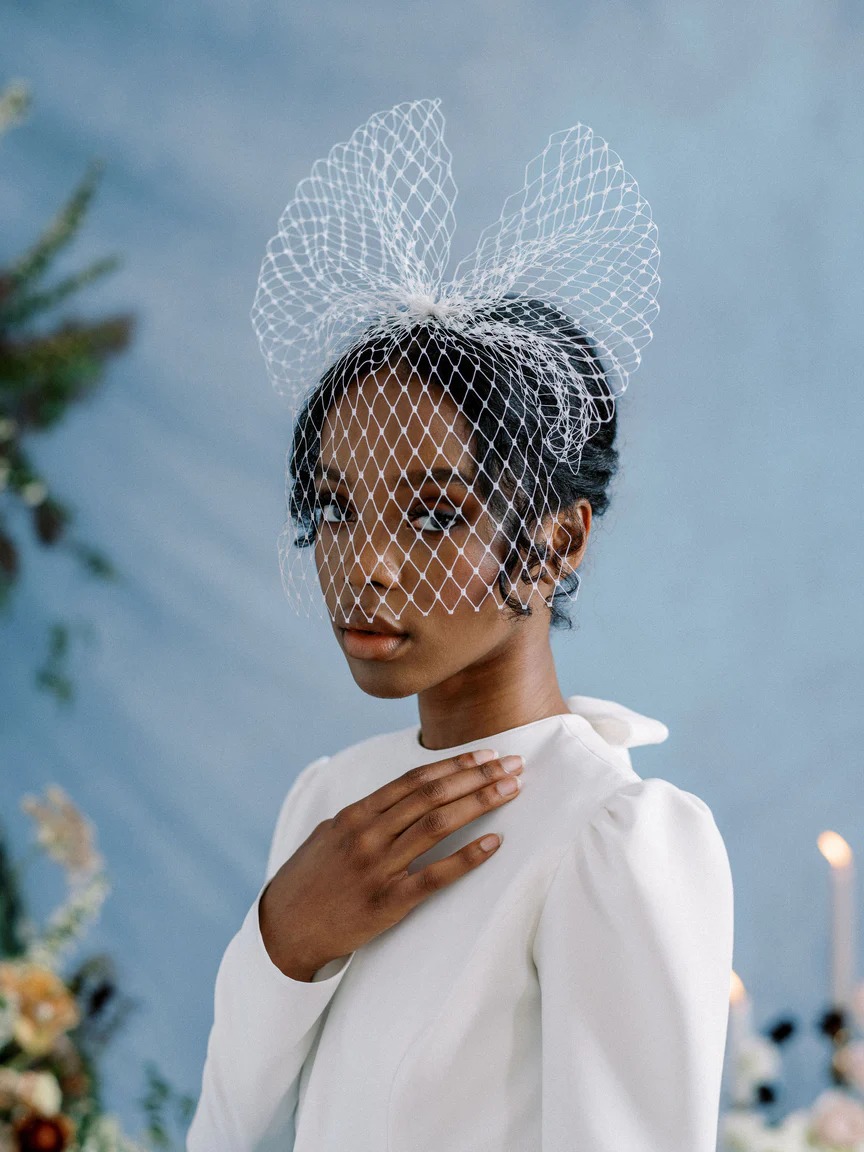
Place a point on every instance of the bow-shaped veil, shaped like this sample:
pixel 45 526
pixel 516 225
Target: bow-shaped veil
pixel 364 247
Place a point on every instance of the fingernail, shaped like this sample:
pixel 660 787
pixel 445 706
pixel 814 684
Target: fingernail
pixel 509 786
pixel 484 755
pixel 511 763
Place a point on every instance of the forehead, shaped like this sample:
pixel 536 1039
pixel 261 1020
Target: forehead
pixel 385 424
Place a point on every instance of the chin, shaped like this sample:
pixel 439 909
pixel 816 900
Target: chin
pixel 389 679
pixel 381 682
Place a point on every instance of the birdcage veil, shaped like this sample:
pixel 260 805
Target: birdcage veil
pixel 500 373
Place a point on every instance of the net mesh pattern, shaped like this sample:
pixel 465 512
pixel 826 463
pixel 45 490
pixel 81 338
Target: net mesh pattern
pixel 438 425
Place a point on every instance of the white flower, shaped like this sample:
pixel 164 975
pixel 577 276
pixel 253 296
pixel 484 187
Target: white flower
pixel 837 1119
pixel 759 1059
pixel 40 1091
pixel 106 1135
pixel 68 922
pixel 745 1130
pixel 34 492
pixel 740 1130
pixel 792 1133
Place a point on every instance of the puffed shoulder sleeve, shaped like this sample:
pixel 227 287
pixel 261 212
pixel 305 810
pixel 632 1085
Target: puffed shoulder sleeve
pixel 634 956
pixel 264 1022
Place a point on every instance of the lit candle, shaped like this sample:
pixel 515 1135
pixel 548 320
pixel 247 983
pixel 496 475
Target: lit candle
pixel 839 855
pixel 740 1029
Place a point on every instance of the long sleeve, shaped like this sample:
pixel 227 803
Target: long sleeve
pixel 634 954
pixel 264 1022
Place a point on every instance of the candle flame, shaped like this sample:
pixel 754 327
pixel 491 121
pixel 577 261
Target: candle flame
pixel 835 849
pixel 737 991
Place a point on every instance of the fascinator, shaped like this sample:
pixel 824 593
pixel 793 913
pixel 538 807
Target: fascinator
pixel 465 399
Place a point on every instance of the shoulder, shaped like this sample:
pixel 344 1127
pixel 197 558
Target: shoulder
pixel 648 872
pixel 645 807
pixel 649 837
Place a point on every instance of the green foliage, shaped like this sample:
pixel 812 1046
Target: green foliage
pixel 47 365
pixel 159 1098
pixel 14 104
pixel 11 904
pixel 52 674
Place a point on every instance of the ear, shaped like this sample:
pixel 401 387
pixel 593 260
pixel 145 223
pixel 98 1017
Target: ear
pixel 566 538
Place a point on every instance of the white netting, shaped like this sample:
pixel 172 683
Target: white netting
pixel 505 372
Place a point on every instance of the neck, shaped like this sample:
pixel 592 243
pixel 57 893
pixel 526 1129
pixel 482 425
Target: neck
pixel 511 687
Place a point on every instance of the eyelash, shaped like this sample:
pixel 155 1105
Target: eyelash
pixel 323 500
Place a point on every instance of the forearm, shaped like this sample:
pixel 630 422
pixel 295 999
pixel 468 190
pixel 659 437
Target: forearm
pixel 264 1024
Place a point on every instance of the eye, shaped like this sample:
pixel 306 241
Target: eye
pixel 438 514
pixel 323 501
pixel 442 518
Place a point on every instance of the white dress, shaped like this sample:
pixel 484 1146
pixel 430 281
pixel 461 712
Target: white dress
pixel 570 994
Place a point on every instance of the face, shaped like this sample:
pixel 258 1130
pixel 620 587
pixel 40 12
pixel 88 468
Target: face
pixel 403 542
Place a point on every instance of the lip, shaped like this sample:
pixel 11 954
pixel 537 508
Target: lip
pixel 365 645
pixel 378 624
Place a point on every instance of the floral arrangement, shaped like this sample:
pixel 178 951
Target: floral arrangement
pixel 834 1122
pixel 54 1028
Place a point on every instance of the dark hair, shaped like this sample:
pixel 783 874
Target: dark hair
pixel 517 475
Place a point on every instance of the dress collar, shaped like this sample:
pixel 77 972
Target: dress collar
pixel 617 724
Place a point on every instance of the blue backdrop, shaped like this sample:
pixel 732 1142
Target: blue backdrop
pixel 721 592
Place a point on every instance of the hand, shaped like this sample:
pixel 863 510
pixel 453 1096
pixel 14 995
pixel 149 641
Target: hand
pixel 349 881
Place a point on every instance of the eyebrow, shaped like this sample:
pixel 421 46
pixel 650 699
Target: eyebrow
pixel 416 477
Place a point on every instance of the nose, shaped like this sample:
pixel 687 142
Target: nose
pixel 371 555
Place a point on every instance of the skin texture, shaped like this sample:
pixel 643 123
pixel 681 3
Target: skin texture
pixel 475 672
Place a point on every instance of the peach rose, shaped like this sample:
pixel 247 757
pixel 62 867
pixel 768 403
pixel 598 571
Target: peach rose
pixel 837 1120
pixel 849 1062
pixel 46 1007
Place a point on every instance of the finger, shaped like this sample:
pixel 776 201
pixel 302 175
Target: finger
pixel 441 790
pixel 395 790
pixel 415 887
pixel 439 821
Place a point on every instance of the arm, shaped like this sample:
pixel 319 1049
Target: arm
pixel 264 1022
pixel 634 955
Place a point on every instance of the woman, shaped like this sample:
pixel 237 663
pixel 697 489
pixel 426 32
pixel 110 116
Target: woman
pixel 484 933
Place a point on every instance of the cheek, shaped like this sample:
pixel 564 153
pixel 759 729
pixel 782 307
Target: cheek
pixel 453 642
pixel 455 577
pixel 461 573
pixel 473 576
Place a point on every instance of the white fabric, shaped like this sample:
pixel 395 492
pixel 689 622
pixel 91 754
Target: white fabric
pixel 568 995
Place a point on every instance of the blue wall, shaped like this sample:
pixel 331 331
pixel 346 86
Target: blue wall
pixel 722 590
